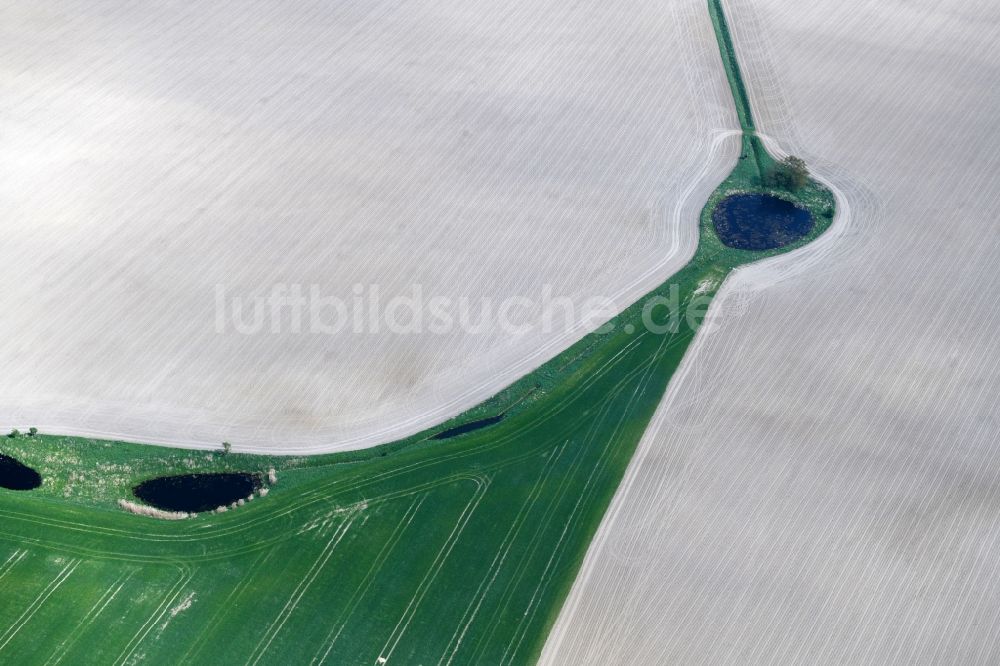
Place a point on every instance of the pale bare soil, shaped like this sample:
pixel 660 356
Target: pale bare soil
pixel 821 484
pixel 478 149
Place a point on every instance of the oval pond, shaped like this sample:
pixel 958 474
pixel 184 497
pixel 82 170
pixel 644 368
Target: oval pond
pixel 760 221
pixel 194 493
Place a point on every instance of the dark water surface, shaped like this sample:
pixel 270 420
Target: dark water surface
pixel 197 492
pixel 760 221
pixel 15 475
pixel 467 427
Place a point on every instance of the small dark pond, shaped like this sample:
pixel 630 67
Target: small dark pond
pixel 760 221
pixel 15 475
pixel 468 427
pixel 197 492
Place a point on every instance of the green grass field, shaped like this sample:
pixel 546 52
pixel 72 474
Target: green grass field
pixel 456 551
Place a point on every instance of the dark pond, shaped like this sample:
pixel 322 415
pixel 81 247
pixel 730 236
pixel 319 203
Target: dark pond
pixel 468 427
pixel 15 475
pixel 197 492
pixel 760 221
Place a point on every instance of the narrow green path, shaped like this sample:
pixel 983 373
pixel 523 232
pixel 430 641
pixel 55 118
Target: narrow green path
pixel 752 147
pixel 453 551
pixel 732 66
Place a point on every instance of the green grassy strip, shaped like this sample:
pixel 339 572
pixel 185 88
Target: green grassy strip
pixel 528 496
